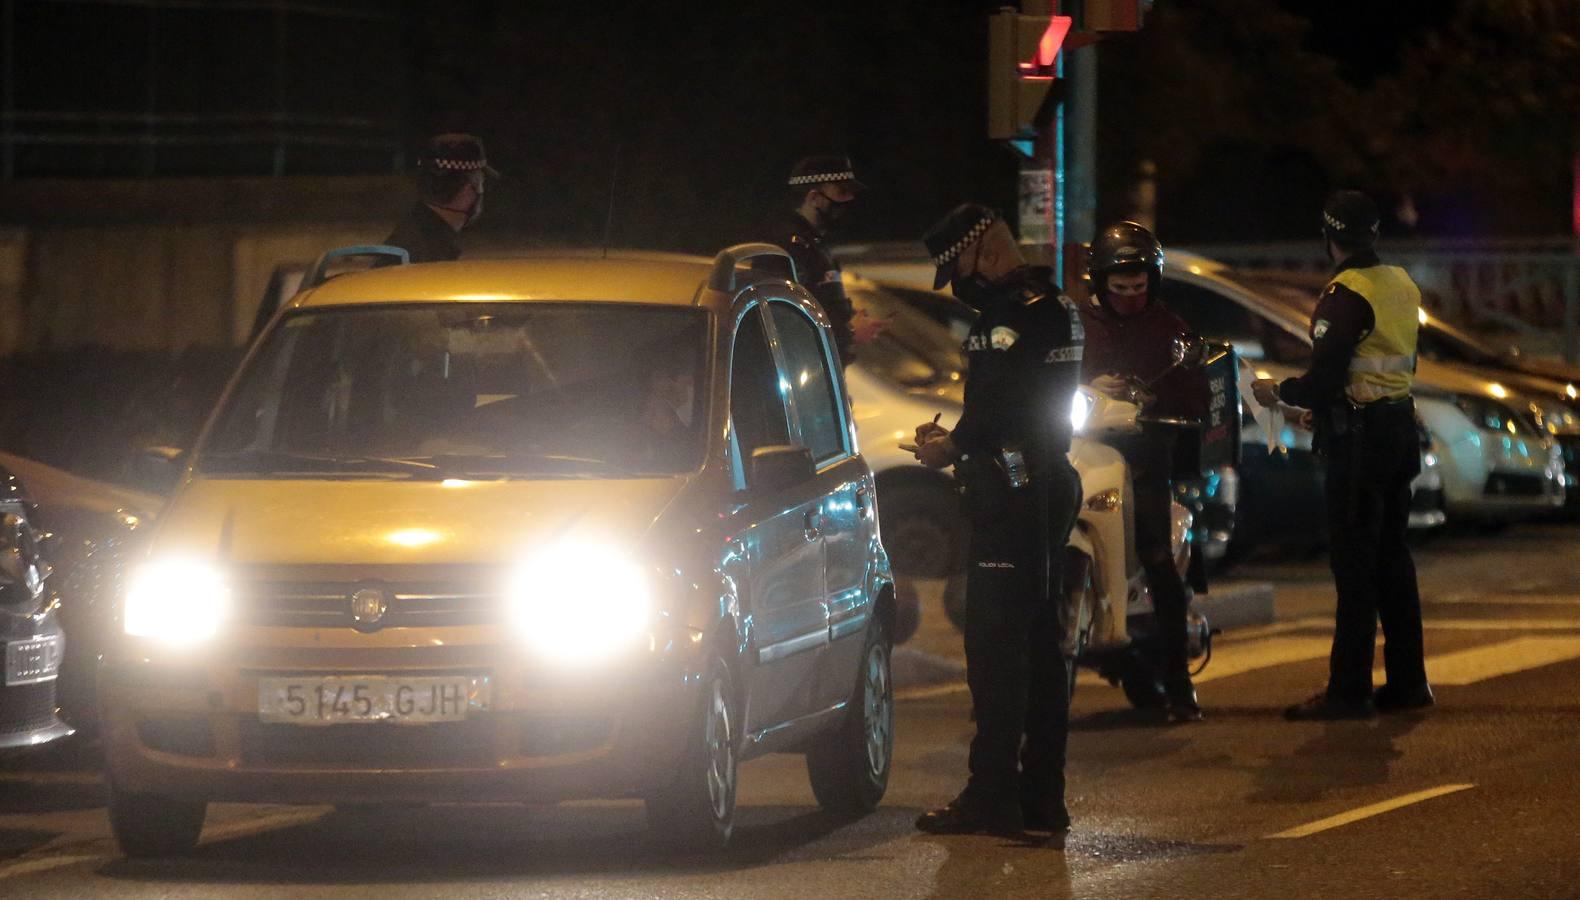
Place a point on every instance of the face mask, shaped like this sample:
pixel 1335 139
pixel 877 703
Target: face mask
pixel 973 289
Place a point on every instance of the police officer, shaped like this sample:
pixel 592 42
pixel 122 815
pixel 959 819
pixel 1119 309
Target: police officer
pixel 1358 388
pixel 822 191
pixel 452 172
pixel 1129 338
pixel 1010 451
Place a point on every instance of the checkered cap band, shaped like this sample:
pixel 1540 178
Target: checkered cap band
pixel 972 233
pixel 459 165
pixel 821 178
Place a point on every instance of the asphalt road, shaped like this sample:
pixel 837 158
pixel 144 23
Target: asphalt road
pixel 1478 798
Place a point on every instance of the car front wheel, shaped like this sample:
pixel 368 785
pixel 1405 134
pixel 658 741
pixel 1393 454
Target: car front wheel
pixel 851 772
pixel 696 812
pixel 148 825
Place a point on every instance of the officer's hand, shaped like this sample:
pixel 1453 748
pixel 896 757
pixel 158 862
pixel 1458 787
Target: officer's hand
pixel 938 452
pixel 1266 391
pixel 1305 420
pixel 1111 386
pixel 930 431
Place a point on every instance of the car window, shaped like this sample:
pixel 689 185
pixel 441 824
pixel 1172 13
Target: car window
pixel 913 350
pixel 475 389
pixel 811 382
pixel 1214 315
pixel 757 407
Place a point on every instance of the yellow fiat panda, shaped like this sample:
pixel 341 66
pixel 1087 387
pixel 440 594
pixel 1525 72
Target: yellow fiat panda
pixel 534 529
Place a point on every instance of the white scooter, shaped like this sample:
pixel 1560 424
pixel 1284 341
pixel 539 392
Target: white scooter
pixel 1110 625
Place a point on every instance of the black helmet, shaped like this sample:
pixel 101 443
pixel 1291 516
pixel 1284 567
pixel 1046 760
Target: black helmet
pixel 1125 247
pixel 1350 220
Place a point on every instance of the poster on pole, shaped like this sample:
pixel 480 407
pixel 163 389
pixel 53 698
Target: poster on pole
pixel 1036 207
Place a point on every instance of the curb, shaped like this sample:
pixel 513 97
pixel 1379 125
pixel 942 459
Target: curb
pixel 1233 604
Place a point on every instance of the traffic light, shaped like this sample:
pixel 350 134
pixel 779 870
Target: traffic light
pixel 1113 15
pixel 1024 89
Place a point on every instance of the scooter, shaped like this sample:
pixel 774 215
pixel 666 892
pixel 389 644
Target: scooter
pixel 1110 625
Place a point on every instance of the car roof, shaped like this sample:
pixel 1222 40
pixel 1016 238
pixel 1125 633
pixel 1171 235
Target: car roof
pixel 625 277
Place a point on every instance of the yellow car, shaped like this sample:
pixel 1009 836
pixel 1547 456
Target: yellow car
pixel 523 530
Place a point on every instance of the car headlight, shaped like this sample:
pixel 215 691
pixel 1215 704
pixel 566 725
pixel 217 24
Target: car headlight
pixel 1080 410
pixel 181 602
pixel 579 602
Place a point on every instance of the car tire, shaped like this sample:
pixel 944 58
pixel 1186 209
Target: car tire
pixel 907 610
pixel 850 771
pixel 696 812
pixel 149 826
pixel 1143 688
pixel 923 529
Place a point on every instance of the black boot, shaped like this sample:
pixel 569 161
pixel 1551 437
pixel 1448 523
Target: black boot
pixel 972 814
pixel 1182 699
pixel 1389 699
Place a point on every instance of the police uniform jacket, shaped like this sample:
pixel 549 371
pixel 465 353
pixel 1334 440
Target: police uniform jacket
pixel 818 272
pixel 425 236
pixel 1024 367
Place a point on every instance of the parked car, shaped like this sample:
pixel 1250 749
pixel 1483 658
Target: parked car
pixel 530 529
pixel 29 626
pixel 95 526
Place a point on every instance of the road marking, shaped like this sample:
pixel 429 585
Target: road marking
pixel 259 824
pixel 44 864
pixel 1366 812
pixel 1494 660
pixel 1236 659
pixel 1513 599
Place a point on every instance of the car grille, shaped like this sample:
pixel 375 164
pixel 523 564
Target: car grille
pixel 362 746
pixel 328 604
pixel 1502 485
pixel 27 707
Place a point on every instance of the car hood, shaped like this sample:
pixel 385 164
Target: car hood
pixel 55 490
pixel 274 522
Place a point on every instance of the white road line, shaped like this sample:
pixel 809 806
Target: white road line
pixel 1513 599
pixel 259 824
pixel 1236 658
pixel 1493 660
pixel 1366 812
pixel 37 864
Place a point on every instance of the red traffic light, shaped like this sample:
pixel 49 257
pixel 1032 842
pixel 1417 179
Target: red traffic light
pixel 1048 46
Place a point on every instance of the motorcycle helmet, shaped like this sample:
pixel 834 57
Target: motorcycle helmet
pixel 1125 247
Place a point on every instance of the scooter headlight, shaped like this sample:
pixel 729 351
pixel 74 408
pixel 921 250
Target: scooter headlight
pixel 1080 410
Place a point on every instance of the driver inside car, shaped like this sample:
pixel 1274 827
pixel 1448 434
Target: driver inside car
pixel 1130 336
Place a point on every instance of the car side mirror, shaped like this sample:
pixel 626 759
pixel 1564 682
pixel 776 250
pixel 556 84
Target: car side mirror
pixel 779 467
pixel 158 469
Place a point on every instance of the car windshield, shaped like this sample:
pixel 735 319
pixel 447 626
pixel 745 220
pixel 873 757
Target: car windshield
pixel 476 390
pixel 912 350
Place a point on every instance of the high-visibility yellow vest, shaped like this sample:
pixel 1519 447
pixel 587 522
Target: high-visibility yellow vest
pixel 1384 363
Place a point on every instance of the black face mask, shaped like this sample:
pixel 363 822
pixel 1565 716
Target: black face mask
pixel 973 289
pixel 834 214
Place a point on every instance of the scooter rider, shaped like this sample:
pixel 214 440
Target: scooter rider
pixel 1010 451
pixel 1362 368
pixel 1130 335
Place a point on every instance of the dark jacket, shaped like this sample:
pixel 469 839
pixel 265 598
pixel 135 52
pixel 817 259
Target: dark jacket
pixel 425 236
pixel 1025 362
pixel 1139 346
pixel 818 272
pixel 1340 322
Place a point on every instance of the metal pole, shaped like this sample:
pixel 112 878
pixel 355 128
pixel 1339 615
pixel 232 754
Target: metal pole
pixel 1571 310
pixel 8 111
pixel 1082 142
pixel 150 145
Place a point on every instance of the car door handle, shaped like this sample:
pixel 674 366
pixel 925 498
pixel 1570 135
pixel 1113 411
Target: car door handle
pixel 861 502
pixel 814 525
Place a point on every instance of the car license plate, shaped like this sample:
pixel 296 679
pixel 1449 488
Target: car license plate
pixel 370 698
pixel 33 660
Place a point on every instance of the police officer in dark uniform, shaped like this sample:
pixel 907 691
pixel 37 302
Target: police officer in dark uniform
pixel 1010 451
pixel 452 172
pixel 1358 389
pixel 822 191
pixel 1129 338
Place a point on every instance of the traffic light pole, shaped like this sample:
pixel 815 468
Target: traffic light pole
pixel 1041 208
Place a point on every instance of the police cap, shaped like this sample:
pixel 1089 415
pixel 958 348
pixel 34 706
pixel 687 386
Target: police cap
pixel 455 153
pixel 950 236
pixel 826 169
pixel 1350 219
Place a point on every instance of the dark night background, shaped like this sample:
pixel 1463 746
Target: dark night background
pixel 1251 109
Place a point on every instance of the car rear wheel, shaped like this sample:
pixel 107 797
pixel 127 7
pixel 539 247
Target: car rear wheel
pixel 850 773
pixel 696 813
pixel 148 825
